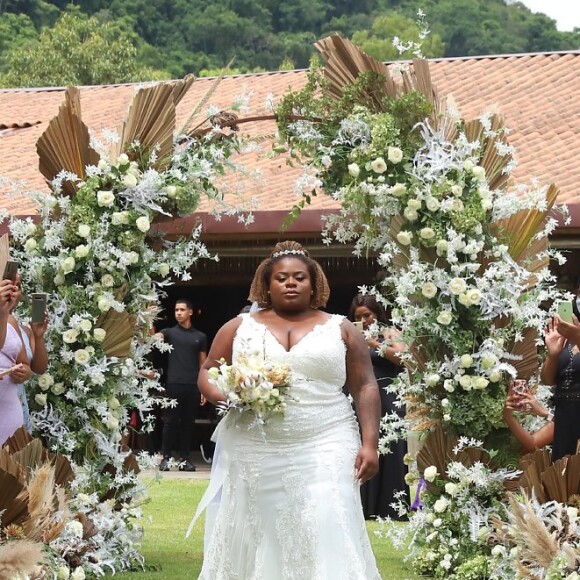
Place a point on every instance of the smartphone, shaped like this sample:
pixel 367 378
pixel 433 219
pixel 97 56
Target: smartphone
pixel 519 386
pixel 39 300
pixel 10 270
pixel 565 311
pixel 358 324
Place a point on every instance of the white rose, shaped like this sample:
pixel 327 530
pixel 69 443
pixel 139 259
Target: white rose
pixel 45 381
pixel 112 423
pixel 441 505
pixel 486 204
pixel 379 165
pixel 123 159
pixel 449 385
pixel 107 281
pixel 105 198
pixel 427 233
pixel 143 224
pixel 445 402
pixel 104 304
pixel 84 231
pixel 465 361
pixel 114 403
pixel 457 190
pixel 457 205
pixel 474 296
pixel 59 279
pixel 30 229
pixel 430 473
pixel 429 290
pixel 480 383
pixel 58 388
pixel 414 204
pixel 451 488
pixel 99 334
pixel 68 264
pixel 488 361
pixel 120 218
pixel 102 165
pixel 479 172
pixel 498 551
pixel 30 245
pixel 353 169
pixel 129 180
pixel 78 574
pixel 82 356
pixel 468 165
pixel 69 336
pixel 404 238
pixel 457 286
pixel 445 317
pixel 464 299
pixel 442 246
pixel 85 325
pixel 394 154
pixel 410 214
pixel 81 251
pixel 437 523
pixel 63 572
pixel 163 269
pixel 432 204
pixel 465 382
pixel 132 257
pixel 495 377
pixel 40 399
pixel 171 191
pixel 432 379
pixel 398 189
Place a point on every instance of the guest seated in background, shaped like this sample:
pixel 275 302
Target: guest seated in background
pixel 520 399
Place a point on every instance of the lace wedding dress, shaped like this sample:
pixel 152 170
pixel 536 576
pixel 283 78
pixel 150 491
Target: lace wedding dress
pixel 286 505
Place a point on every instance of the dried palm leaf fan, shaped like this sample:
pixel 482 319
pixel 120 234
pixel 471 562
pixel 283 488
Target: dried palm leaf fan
pixel 18 440
pixel 533 465
pixel 151 119
pixel 31 456
pixel 120 328
pixel 65 145
pixel 527 363
pixel 561 479
pixel 14 497
pixel 4 252
pixel 438 451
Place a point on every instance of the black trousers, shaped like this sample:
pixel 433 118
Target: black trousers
pixel 178 424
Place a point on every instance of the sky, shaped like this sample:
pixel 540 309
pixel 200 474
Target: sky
pixel 566 13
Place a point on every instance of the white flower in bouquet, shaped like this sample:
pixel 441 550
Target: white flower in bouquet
pixel 143 224
pixel 30 245
pixel 63 573
pixel 129 180
pixel 429 290
pixel 120 218
pixel 114 403
pixel 445 318
pixel 99 334
pixel 432 204
pixel 68 265
pixel 479 172
pixel 437 523
pixel 30 229
pixel 82 356
pixel 40 399
pixel 57 388
pixel 82 251
pixel 451 488
pixel 449 385
pixel 70 336
pixel 398 189
pixel 84 231
pixel 441 247
pixel 59 279
pixel 394 154
pixel 122 160
pixel 163 269
pixel 404 238
pixel 379 165
pixel 495 377
pixel 104 304
pixel 107 281
pixel 430 473
pixel 105 198
pixel 427 233
pixel 465 361
pixel 85 325
pixel 432 379
pixel 45 381
pixel 410 214
pixel 480 383
pixel 466 382
pixel 441 505
pixel 78 574
pixel 457 190
pixel 457 286
pixel 170 191
pixel 414 204
pixel 354 169
pixel 474 296
pixel 112 423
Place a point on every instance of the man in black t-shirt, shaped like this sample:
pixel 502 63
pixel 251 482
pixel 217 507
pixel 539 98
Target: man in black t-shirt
pixel 183 363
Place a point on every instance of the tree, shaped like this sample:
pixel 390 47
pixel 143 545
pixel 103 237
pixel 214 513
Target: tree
pixel 78 50
pixel 378 42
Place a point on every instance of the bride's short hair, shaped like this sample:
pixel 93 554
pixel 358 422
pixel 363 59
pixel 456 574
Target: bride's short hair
pixel 286 249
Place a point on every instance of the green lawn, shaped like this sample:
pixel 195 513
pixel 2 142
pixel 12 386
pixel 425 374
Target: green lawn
pixel 169 555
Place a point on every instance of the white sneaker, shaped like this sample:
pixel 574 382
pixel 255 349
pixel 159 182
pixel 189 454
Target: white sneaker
pixel 206 459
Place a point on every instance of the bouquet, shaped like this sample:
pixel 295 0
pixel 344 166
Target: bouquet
pixel 253 384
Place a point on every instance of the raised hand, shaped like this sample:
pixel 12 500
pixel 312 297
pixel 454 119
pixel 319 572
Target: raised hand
pixel 553 340
pixel 569 331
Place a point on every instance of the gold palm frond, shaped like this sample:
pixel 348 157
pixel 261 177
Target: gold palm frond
pixel 527 365
pixel 4 252
pixel 65 145
pixel 120 329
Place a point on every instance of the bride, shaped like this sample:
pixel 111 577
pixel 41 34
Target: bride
pixel 284 499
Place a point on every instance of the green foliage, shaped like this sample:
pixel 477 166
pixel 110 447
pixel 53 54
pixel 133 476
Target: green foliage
pixel 79 50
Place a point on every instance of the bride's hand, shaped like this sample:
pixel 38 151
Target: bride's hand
pixel 367 464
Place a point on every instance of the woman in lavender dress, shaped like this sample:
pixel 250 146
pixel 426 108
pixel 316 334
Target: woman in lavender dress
pixel 14 366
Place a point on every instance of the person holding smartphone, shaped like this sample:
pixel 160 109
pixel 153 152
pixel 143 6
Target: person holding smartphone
pixel 561 369
pixel 519 398
pixel 14 366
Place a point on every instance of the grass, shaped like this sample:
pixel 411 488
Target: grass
pixel 169 555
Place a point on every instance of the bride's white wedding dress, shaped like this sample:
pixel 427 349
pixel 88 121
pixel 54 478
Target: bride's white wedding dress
pixel 289 506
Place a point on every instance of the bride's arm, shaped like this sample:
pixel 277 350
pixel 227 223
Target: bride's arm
pixel 364 389
pixel 221 347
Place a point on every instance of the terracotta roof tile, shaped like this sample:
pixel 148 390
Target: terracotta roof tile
pixel 538 94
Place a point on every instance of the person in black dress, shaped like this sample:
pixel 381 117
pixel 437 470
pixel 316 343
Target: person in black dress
pixel 379 492
pixel 561 369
